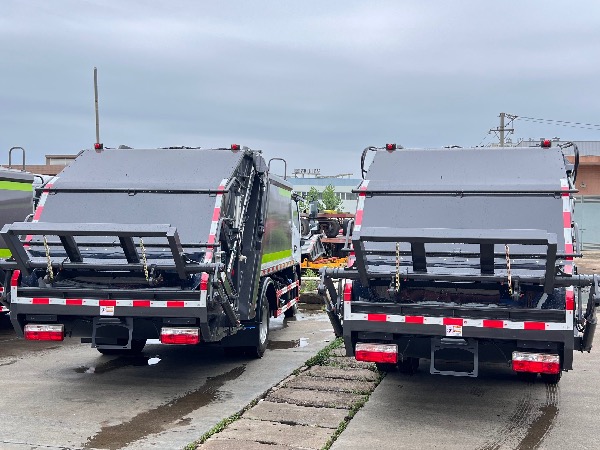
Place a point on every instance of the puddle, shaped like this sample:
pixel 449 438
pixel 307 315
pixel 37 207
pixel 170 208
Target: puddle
pixel 118 363
pixel 164 416
pixel 283 345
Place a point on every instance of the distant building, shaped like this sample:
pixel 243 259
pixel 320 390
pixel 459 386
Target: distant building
pixel 54 164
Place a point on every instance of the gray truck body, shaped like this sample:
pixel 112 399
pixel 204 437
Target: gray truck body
pixel 465 251
pixel 140 239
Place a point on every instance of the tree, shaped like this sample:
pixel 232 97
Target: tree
pixel 312 195
pixel 330 200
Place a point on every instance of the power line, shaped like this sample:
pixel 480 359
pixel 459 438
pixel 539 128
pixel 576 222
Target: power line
pixel 562 123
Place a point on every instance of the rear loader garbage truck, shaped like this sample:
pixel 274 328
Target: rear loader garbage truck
pixel 461 256
pixel 16 203
pixel 189 246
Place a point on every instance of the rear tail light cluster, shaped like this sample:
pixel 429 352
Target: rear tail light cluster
pixel 378 353
pixel 535 362
pixel 183 336
pixel 42 332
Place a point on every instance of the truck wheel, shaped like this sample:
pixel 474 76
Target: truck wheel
pixel 137 345
pixel 304 227
pixel 333 228
pixel 409 365
pixel 551 378
pixel 263 325
pixel 386 367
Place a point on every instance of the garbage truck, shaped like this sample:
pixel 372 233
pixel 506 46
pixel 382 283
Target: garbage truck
pixel 16 203
pixel 186 245
pixel 461 256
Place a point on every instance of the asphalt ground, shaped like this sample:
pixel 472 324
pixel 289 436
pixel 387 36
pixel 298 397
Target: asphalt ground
pixel 67 395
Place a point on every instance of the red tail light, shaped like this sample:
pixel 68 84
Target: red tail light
pixel 535 362
pixel 98 146
pixel 181 336
pixel 546 143
pixel 348 291
pixel 235 147
pixel 42 332
pixel 378 353
pixel 14 280
pixel 391 147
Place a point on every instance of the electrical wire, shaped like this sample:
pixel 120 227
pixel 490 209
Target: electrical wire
pixel 562 123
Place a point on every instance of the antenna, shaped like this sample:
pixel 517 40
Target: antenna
pixel 97 145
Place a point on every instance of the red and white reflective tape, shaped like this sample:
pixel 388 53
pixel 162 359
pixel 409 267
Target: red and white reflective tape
pixel 285 307
pixel 288 288
pixel 347 299
pixel 106 302
pixel 360 205
pixel 276 267
pixel 567 204
pixel 476 323
pixel 40 206
pixel 212 238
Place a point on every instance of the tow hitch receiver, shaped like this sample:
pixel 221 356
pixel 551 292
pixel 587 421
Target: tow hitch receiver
pixel 455 352
pixel 43 332
pixel 189 336
pixel 535 362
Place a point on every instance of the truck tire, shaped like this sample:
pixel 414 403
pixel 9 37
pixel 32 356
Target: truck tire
pixel 333 228
pixel 304 227
pixel 262 338
pixel 137 345
pixel 551 378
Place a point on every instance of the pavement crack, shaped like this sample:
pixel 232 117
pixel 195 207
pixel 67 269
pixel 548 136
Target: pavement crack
pixel 162 417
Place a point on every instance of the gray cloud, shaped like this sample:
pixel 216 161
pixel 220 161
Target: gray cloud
pixel 312 81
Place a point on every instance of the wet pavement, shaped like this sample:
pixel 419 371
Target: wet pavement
pixel 67 395
pixel 493 412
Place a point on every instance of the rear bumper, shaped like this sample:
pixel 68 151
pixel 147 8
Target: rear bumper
pixel 376 323
pixel 75 317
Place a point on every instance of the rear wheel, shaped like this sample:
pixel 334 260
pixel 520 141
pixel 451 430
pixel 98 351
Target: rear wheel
pixel 386 367
pixel 528 377
pixel 409 365
pixel 551 378
pixel 137 345
pixel 262 338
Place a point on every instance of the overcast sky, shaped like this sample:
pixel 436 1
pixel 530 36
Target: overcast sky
pixel 312 81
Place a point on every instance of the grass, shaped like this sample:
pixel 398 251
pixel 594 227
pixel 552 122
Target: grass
pixel 322 358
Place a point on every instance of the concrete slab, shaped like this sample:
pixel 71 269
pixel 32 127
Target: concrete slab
pixel 340 351
pixel 346 374
pixel 330 384
pixel 296 415
pixel 276 433
pixel 307 397
pixel 234 444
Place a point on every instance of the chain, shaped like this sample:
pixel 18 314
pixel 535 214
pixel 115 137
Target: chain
pixel 144 258
pixel 50 271
pixel 507 251
pixel 397 266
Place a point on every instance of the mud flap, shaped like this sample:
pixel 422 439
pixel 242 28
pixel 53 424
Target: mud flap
pixel 455 347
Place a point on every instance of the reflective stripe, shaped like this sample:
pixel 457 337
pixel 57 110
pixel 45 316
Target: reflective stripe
pixel 101 302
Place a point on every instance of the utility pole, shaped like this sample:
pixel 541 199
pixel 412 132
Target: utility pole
pixel 502 128
pixel 96 105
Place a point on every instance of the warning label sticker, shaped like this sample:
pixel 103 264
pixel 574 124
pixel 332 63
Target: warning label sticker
pixel 453 330
pixel 107 310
